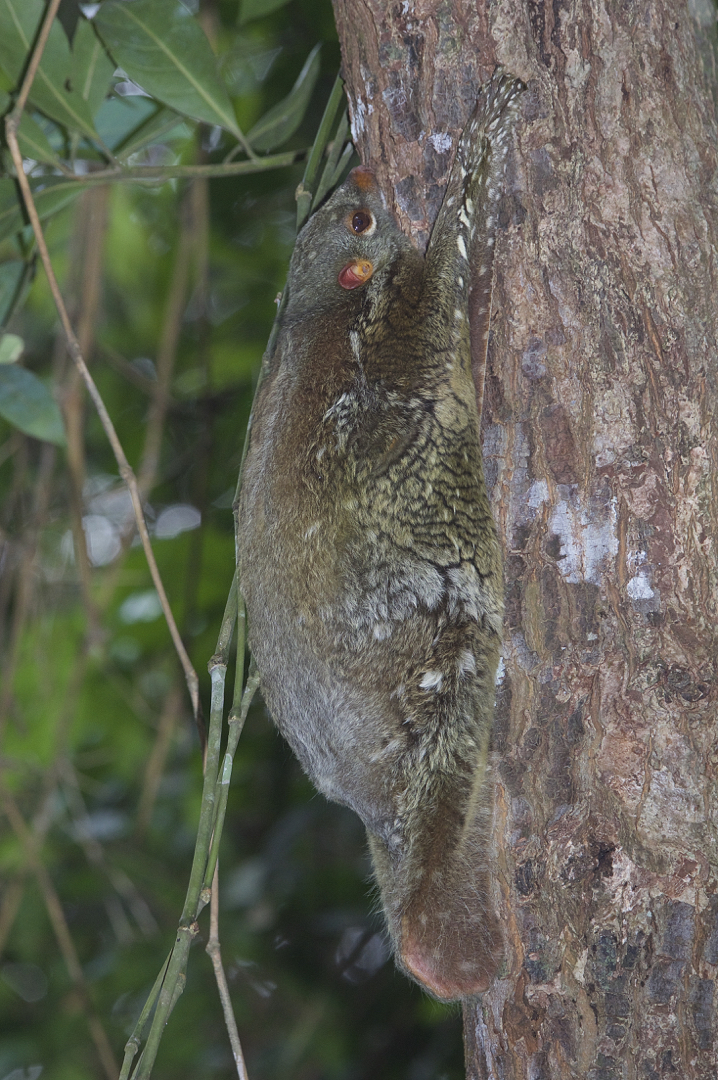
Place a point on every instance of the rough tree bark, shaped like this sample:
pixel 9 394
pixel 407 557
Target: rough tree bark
pixel 601 448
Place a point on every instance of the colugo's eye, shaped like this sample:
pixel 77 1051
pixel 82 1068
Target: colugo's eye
pixel 362 221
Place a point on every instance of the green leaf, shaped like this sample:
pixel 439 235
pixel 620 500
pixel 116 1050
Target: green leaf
pixel 163 49
pixel 255 9
pixel 92 69
pixel 118 117
pixel 4 102
pixel 246 63
pixel 33 141
pixel 52 92
pixel 11 347
pixel 26 402
pixel 277 125
pixel 166 124
pixel 48 200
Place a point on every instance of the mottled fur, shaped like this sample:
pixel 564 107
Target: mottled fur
pixel 368 554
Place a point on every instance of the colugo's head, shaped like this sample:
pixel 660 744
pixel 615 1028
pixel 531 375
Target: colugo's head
pixel 344 247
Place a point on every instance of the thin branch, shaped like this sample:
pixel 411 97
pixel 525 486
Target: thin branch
pixel 154 173
pixel 306 189
pixel 333 157
pixel 36 58
pixel 133 1043
pixel 237 718
pixel 125 469
pixel 214 952
pixel 195 900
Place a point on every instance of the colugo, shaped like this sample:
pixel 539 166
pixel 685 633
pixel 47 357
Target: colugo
pixel 368 555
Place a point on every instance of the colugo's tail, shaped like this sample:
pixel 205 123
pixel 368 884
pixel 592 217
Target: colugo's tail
pixel 438 898
pixel 493 116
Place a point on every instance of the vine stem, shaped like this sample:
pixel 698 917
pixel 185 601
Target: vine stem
pixel 214 952
pixel 73 346
pixel 173 172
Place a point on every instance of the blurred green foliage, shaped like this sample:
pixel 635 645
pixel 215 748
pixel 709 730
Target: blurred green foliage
pixel 98 752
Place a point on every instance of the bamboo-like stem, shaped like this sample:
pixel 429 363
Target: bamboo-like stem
pixel 172 987
pixel 332 160
pixel 155 173
pixel 133 1043
pixel 195 899
pixel 217 672
pixel 307 187
pixel 226 630
pixel 236 724
pixel 170 981
pixel 214 951
pixel 241 651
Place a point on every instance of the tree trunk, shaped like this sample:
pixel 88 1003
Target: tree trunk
pixel 601 450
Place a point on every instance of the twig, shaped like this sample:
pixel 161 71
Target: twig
pixel 11 126
pixel 195 899
pixel 133 1043
pixel 335 152
pixel 214 952
pixel 36 57
pixel 237 718
pixel 182 172
pixel 307 187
